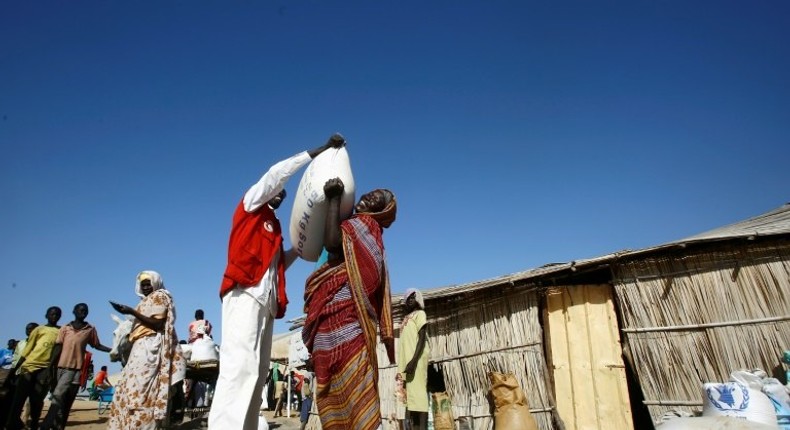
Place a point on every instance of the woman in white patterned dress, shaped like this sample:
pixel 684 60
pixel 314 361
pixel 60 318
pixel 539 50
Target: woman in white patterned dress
pixel 155 363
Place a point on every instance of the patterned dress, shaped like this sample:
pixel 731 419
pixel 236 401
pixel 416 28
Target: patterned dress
pixel 344 304
pixel 155 364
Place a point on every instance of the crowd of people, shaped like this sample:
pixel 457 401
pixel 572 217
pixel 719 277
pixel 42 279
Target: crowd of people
pixel 53 361
pixel 347 304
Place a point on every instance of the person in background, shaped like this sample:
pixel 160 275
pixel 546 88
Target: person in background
pixel 400 402
pixel 7 354
pixel 20 345
pixel 66 363
pixel 296 385
pixel 199 327
pixel 155 364
pixel 270 384
pixel 101 381
pixel 86 373
pixel 195 391
pixel 345 299
pixel 33 372
pixel 7 377
pixel 413 359
pixel 253 294
pixel 307 401
pixel 281 392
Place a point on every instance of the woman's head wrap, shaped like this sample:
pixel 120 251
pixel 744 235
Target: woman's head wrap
pixel 154 277
pixel 417 297
pixel 386 216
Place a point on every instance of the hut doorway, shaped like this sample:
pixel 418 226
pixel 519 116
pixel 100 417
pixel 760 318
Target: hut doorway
pixel 585 358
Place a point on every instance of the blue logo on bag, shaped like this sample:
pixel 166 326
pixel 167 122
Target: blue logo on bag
pixel 725 397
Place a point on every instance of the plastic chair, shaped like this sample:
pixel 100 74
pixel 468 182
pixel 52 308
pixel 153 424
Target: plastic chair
pixel 105 398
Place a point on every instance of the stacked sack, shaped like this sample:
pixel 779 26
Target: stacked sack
pixel 750 395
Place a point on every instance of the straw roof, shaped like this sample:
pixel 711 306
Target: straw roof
pixel 775 222
pixel 771 223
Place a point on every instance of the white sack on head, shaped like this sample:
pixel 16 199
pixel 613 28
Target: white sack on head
pixel 308 216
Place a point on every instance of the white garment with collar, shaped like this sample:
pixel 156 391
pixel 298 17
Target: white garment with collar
pixel 247 325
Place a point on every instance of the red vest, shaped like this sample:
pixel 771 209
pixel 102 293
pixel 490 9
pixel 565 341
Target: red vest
pixel 254 238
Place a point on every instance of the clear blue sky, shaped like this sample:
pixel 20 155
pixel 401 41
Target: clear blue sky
pixel 514 134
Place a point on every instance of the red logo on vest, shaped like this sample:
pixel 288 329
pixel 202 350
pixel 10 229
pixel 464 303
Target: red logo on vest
pixel 268 226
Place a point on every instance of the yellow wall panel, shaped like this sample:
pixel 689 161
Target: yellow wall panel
pixel 589 377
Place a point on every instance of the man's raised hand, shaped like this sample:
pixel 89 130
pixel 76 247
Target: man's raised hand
pixel 336 141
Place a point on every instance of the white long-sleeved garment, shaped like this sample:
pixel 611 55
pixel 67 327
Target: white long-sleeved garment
pixel 247 325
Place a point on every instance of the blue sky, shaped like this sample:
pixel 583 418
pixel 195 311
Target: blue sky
pixel 514 134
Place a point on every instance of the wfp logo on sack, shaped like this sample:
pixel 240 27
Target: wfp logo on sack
pixel 729 397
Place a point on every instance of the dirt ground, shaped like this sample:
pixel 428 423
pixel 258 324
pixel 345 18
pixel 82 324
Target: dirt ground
pixel 84 416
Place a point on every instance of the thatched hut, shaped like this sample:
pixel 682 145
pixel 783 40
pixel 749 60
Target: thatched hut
pixel 681 314
pixel 614 342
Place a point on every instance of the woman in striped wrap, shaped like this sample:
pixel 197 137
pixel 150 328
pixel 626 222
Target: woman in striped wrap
pixel 345 299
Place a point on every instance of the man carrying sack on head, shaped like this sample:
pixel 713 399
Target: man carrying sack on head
pixel 253 294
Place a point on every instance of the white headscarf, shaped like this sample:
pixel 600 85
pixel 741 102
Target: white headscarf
pixel 417 297
pixel 154 277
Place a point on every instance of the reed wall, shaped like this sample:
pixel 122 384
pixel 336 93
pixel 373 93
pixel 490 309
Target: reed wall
pixel 691 317
pixel 492 330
